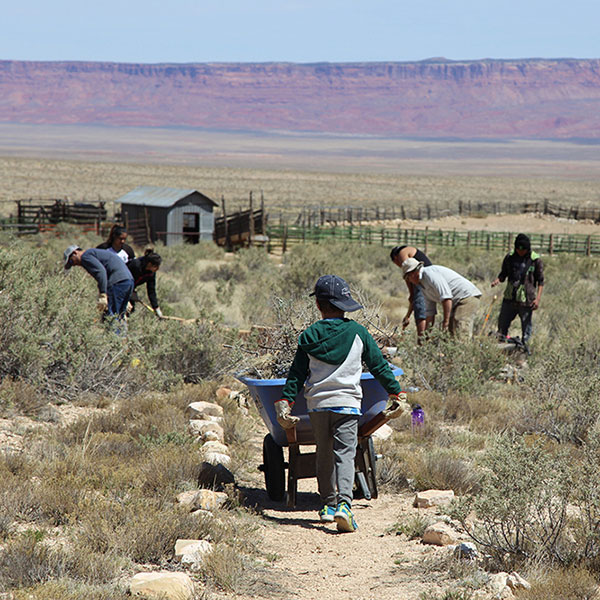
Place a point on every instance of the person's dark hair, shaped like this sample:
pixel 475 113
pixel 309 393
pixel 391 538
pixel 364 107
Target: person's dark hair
pixel 395 251
pixel 152 258
pixel 522 242
pixel 115 232
pixel 326 306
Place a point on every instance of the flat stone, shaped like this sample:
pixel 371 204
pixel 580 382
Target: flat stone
pixel 497 582
pixel 431 498
pixel 215 447
pixel 183 547
pixel 223 393
pixel 202 499
pixel 466 550
pixel 217 458
pixel 162 584
pixel 191 553
pixel 439 534
pixel 198 410
pixel 516 582
pixel 206 430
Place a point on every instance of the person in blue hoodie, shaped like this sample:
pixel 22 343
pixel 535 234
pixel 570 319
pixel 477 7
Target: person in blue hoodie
pixel 115 281
pixel 328 366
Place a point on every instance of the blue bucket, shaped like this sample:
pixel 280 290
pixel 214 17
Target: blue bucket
pixel 265 392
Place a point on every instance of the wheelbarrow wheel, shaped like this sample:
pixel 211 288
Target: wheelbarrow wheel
pixel 274 468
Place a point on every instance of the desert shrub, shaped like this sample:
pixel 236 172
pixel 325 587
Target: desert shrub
pixel 426 468
pixel 142 529
pixel 413 527
pixel 17 397
pixel 66 589
pixel 562 584
pixel 224 567
pixel 191 351
pixel 521 504
pixel 562 394
pixel 442 364
pixel 26 561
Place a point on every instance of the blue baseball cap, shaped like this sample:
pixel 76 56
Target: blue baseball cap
pixel 337 292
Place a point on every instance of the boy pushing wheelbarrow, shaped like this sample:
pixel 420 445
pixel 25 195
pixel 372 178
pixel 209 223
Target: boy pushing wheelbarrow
pixel 328 365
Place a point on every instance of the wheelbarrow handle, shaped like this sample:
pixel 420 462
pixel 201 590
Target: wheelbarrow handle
pixel 375 423
pixel 291 435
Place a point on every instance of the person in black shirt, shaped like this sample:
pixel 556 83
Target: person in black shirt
pixel 523 271
pixel 144 270
pixel 416 300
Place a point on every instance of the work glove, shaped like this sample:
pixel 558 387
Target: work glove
pixel 158 313
pixel 283 410
pixel 102 303
pixel 396 405
pixel 129 309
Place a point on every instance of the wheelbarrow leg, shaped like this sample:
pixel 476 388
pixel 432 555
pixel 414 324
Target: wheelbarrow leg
pixel 294 452
pixel 292 486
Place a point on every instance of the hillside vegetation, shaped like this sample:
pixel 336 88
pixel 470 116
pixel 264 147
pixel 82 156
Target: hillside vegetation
pixel 87 500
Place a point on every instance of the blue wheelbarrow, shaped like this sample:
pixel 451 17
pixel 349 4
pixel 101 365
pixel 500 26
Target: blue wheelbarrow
pixel 265 392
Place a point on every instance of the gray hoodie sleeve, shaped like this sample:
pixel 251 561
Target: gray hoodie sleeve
pixel 96 269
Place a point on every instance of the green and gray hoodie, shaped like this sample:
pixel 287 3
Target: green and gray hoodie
pixel 328 363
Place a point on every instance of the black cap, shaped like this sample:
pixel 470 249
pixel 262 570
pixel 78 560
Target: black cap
pixel 336 291
pixel 522 242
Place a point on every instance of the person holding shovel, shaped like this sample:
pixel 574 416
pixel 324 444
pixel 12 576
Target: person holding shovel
pixel 144 270
pixel 328 366
pixel 115 281
pixel 457 295
pixel 523 271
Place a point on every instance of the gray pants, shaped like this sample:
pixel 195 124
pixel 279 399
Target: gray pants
pixel 336 437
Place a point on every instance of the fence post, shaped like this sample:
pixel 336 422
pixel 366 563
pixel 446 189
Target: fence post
pixel 147 220
pixel 551 245
pixel 426 242
pixel 250 221
pixel 588 246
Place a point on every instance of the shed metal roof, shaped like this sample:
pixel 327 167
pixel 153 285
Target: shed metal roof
pixel 150 195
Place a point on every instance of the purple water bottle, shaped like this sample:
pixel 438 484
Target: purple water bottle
pixel 417 416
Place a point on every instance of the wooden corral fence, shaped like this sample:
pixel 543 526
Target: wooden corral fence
pixel 241 228
pixel 311 216
pixel 44 215
pixel 282 236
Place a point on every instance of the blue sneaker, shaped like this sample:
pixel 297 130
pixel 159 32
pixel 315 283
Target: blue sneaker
pixel 326 514
pixel 344 518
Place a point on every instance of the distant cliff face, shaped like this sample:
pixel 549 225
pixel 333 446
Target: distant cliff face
pixel 481 99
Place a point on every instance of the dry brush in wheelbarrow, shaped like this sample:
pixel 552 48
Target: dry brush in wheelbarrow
pixel 264 375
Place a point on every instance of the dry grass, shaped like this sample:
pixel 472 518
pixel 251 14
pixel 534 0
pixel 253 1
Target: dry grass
pixel 562 584
pixel 382 180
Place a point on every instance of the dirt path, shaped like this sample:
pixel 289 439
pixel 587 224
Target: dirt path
pixel 315 562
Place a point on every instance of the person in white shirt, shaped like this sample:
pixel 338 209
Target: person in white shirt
pixel 459 298
pixel 116 244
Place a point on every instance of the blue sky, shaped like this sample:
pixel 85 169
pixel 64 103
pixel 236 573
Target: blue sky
pixel 301 31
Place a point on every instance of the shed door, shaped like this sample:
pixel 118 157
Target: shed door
pixel 191 227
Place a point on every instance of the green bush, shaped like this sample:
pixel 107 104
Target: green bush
pixel 521 504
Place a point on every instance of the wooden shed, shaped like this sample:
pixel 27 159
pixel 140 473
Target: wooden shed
pixel 170 215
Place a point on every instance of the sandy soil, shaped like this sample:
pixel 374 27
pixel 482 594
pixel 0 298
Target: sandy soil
pixel 315 562
pixel 530 223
